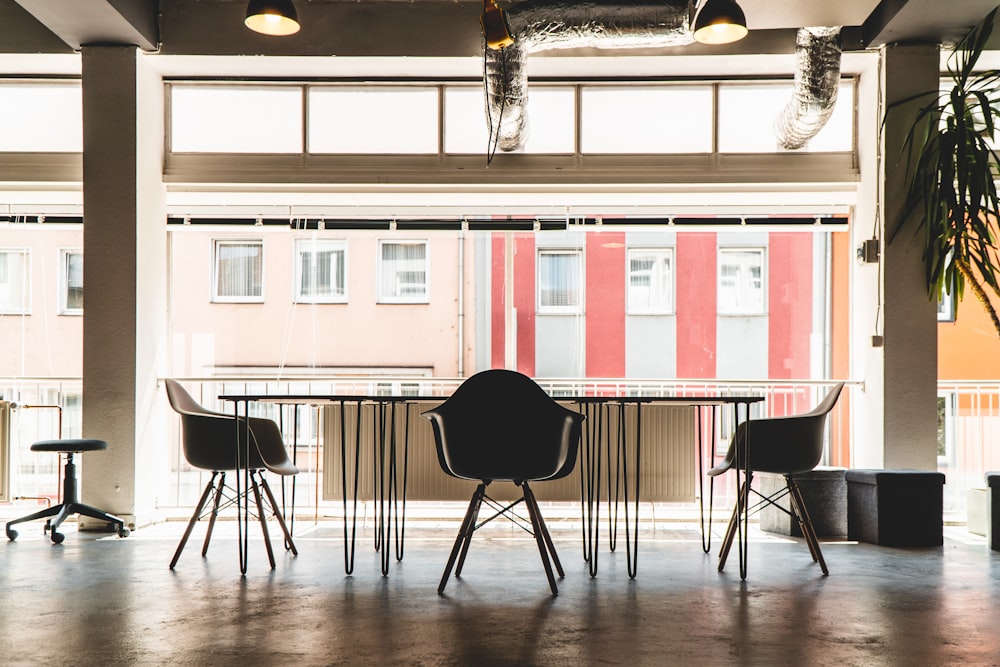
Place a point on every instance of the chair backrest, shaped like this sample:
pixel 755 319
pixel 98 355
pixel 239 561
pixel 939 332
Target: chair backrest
pixel 789 444
pixel 500 425
pixel 207 437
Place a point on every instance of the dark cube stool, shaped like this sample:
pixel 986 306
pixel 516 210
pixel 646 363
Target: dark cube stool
pixel 825 491
pixel 895 508
pixel 993 510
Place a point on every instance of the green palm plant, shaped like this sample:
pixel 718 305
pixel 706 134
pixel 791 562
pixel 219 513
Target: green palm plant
pixel 951 166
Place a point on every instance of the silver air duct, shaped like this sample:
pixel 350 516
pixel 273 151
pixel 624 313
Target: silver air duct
pixel 539 25
pixel 817 78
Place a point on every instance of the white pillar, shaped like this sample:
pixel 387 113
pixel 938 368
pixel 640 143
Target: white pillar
pixel 125 274
pixel 893 323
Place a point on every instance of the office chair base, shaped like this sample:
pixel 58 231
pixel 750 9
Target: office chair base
pixel 59 513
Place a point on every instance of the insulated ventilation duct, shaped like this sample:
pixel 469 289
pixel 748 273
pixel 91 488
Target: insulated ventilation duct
pixel 817 79
pixel 540 25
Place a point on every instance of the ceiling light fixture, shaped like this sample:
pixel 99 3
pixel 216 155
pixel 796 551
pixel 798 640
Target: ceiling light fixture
pixel 495 27
pixel 272 17
pixel 720 22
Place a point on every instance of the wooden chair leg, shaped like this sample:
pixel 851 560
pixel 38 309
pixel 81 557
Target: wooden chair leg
pixel 727 542
pixel 470 529
pixel 805 523
pixel 262 517
pixel 219 489
pixel 290 545
pixel 464 533
pixel 538 530
pixel 545 531
pixel 193 521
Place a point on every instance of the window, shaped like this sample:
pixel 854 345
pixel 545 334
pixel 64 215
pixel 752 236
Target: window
pixel 320 271
pixel 947 409
pixel 646 119
pixel 560 281
pixel 239 269
pixel 48 117
pixel 70 282
pixel 947 306
pixel 551 118
pixel 373 120
pixel 235 119
pixel 650 280
pixel 741 281
pixel 15 282
pixel 403 272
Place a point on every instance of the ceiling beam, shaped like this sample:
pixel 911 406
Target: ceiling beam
pixel 93 22
pixel 923 21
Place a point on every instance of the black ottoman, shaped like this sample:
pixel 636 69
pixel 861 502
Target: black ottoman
pixel 993 510
pixel 895 508
pixel 825 493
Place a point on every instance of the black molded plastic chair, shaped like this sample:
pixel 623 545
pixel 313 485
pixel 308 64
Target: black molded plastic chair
pixel 210 444
pixel 785 446
pixel 71 495
pixel 499 425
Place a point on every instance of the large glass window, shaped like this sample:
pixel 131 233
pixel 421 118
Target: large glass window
pixel 403 272
pixel 646 119
pixel 560 281
pixel 741 281
pixel 239 271
pixel 70 282
pixel 650 280
pixel 15 281
pixel 321 271
pixel 48 117
pixel 373 120
pixel 235 119
pixel 551 124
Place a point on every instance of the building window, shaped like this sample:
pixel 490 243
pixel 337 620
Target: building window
pixel 70 282
pixel 947 409
pixel 741 281
pixel 947 306
pixel 321 271
pixel 651 280
pixel 15 281
pixel 560 284
pixel 403 272
pixel 239 271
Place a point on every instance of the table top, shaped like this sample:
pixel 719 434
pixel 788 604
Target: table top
pixel 329 399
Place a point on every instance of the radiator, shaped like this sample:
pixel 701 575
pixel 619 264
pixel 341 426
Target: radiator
pixel 667 471
pixel 5 407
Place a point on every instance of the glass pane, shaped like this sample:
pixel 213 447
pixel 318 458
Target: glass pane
pixel 559 279
pixel 14 281
pixel 404 272
pixel 74 280
pixel 550 118
pixel 235 119
pixel 747 114
pixel 321 271
pixel 741 284
pixel 239 267
pixel 373 120
pixel 650 281
pixel 646 119
pixel 47 117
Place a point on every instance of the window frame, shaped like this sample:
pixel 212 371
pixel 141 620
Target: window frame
pixel 742 310
pixel 25 308
pixel 64 307
pixel 380 269
pixel 671 282
pixel 218 243
pixel 313 246
pixel 546 309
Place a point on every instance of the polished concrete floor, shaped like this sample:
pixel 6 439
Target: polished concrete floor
pixel 100 600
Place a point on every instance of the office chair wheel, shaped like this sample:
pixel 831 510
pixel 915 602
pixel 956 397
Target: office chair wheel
pixel 57 537
pixel 11 534
pixel 124 532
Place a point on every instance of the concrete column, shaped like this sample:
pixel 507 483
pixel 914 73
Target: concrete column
pixel 894 323
pixel 125 275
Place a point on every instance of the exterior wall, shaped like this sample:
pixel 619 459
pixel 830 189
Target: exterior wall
pixel 42 343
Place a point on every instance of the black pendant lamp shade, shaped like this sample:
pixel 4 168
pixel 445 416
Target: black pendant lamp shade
pixel 720 22
pixel 272 17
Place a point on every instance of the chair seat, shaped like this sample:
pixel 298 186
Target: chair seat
pixel 74 445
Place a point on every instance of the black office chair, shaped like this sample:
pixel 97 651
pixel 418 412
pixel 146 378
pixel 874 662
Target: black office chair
pixel 209 443
pixel 785 446
pixel 71 495
pixel 499 425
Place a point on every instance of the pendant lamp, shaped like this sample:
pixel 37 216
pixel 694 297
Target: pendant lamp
pixel 272 17
pixel 720 22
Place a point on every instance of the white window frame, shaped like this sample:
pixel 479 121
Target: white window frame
pixel 217 244
pixel 397 296
pixel 571 309
pixel 744 306
pixel 313 246
pixel 10 309
pixel 664 287
pixel 947 435
pixel 64 255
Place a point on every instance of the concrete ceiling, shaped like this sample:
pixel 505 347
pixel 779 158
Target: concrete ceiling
pixel 426 27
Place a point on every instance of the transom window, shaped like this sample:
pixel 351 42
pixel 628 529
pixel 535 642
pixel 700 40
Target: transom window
pixel 650 280
pixel 741 281
pixel 321 271
pixel 403 270
pixel 15 281
pixel 560 281
pixel 71 282
pixel 238 274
